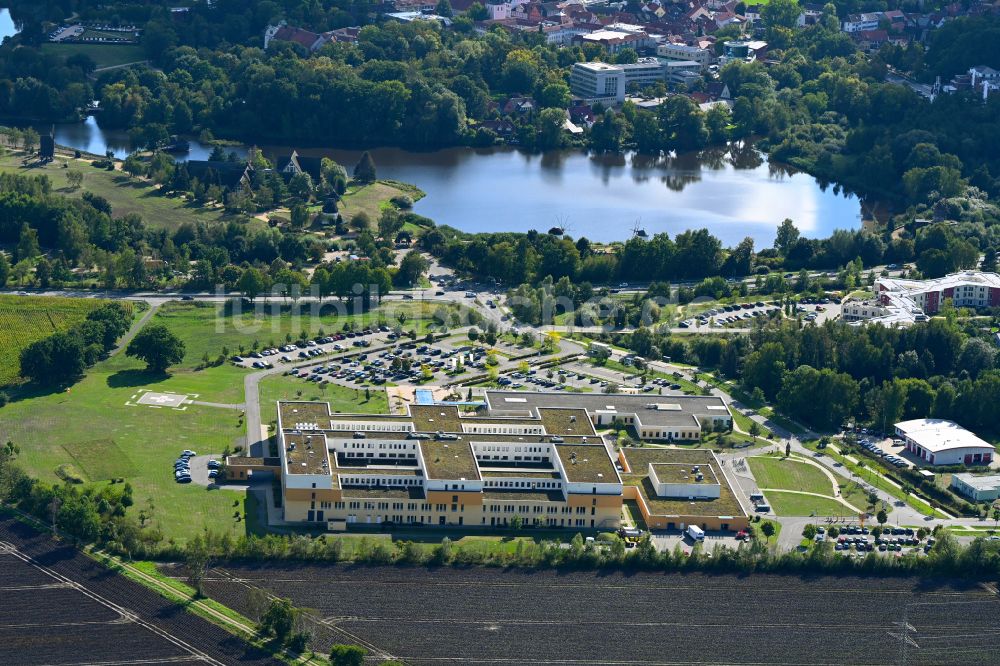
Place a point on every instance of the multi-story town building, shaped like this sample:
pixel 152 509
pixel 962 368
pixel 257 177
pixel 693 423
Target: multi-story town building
pixel 534 458
pixel 614 41
pixel 685 53
pixel 598 81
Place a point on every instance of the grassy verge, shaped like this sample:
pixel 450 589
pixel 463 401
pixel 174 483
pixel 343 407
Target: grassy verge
pixel 876 480
pixel 341 398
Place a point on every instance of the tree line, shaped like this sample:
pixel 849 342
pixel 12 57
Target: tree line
pixel 834 373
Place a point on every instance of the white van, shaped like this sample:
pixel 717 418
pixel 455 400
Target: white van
pixel 696 533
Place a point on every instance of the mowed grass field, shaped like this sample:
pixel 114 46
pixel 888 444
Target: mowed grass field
pixel 789 474
pixel 91 428
pixel 794 504
pixel 125 195
pixel 341 398
pixel 103 55
pixel 27 319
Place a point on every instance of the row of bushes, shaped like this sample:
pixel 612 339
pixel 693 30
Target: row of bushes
pixel 947 557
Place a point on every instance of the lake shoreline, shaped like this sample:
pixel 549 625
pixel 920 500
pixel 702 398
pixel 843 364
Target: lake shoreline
pixel 733 190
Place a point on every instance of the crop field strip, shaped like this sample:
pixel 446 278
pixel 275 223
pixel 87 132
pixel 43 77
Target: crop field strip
pixel 24 320
pixel 489 616
pixel 77 611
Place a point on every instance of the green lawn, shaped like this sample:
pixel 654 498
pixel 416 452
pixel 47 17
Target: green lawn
pixel 792 504
pixel 125 195
pixel 789 474
pixel 103 55
pixel 90 427
pixel 341 398
pixel 745 423
pixel 24 320
pixel 372 199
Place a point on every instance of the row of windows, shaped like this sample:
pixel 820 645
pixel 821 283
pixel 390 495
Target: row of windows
pixel 507 448
pixel 381 446
pixel 664 434
pixel 399 481
pixel 516 458
pixel 501 430
pixel 523 484
pixel 369 454
pixel 371 427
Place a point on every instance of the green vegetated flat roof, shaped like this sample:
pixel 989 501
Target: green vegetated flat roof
pixel 564 422
pixel 684 473
pixel 304 412
pixel 432 418
pixel 306 454
pixel 452 459
pixel 587 463
pixel 638 461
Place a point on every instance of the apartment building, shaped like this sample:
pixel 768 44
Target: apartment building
pixel 533 458
pixel 862 22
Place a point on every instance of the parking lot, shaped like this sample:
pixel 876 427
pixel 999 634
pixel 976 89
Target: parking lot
pixel 737 314
pixel 303 350
pixel 408 362
pixel 860 540
pixel 890 450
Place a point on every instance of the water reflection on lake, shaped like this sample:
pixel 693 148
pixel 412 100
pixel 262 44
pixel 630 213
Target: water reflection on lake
pixel 734 193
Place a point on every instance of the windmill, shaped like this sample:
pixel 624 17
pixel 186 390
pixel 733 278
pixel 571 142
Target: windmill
pixel 561 227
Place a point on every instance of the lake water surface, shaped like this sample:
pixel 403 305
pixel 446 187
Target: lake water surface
pixel 604 197
pixel 734 193
pixel 7 26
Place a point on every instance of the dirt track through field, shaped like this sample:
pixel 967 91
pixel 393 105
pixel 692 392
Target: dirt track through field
pixel 60 607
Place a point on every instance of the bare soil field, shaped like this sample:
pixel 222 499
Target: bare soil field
pixel 59 607
pixel 491 616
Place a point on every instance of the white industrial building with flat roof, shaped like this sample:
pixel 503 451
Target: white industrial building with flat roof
pixel 977 488
pixel 941 442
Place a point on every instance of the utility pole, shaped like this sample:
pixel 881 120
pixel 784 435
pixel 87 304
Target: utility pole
pixel 903 636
